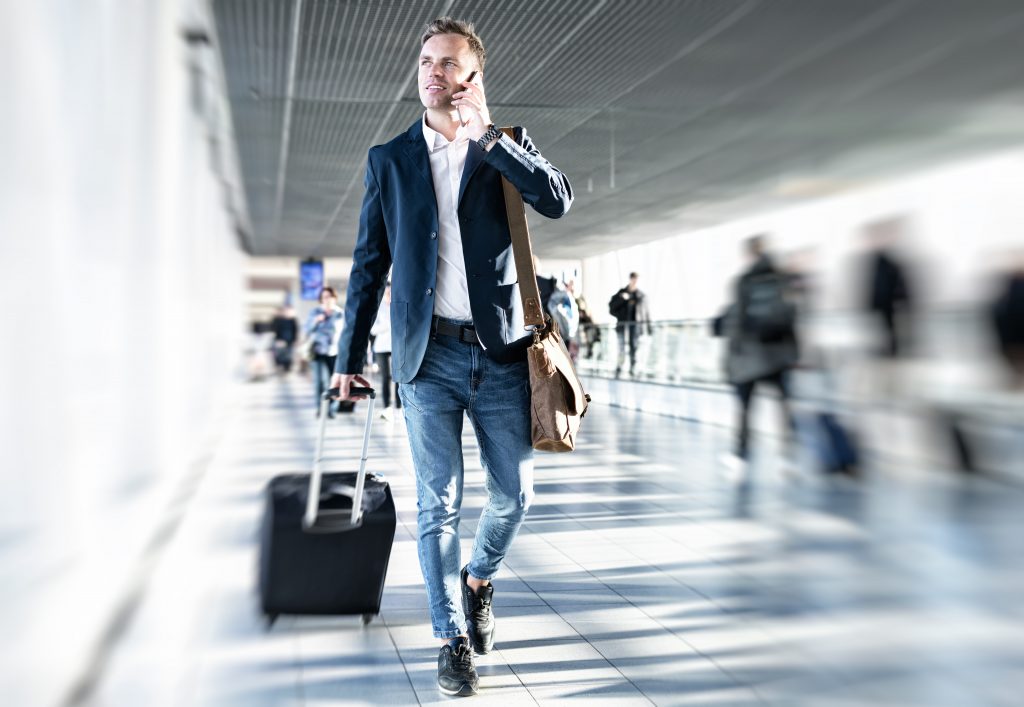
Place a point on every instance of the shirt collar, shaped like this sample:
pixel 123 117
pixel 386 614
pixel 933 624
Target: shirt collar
pixel 436 141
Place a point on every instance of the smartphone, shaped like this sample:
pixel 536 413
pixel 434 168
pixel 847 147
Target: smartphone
pixel 472 75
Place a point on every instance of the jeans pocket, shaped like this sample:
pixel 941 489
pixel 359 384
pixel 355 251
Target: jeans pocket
pixel 409 397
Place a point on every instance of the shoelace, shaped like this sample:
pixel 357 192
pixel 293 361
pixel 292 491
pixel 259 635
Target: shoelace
pixel 482 609
pixel 462 658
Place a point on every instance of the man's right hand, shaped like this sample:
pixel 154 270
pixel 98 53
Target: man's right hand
pixel 343 381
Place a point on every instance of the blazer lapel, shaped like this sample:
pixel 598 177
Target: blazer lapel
pixel 474 158
pixel 416 150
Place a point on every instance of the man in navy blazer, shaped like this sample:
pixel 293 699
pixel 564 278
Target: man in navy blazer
pixel 434 212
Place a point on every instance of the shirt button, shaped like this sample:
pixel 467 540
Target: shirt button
pixel 433 234
pixel 430 291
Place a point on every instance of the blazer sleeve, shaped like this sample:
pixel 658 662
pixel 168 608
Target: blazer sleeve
pixel 371 261
pixel 542 185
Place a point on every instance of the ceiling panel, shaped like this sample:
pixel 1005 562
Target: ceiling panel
pixel 664 114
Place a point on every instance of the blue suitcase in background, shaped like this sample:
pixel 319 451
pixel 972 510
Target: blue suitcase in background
pixel 326 538
pixel 833 444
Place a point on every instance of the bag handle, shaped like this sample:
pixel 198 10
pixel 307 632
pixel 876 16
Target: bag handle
pixel 315 520
pixel 522 251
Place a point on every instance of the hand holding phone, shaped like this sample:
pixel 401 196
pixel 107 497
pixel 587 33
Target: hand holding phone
pixel 469 79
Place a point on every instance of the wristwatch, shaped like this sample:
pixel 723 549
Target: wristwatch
pixel 492 132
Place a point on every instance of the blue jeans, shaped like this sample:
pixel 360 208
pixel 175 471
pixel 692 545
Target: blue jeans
pixel 456 379
pixel 322 368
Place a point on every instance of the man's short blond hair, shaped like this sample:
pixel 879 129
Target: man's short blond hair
pixel 449 25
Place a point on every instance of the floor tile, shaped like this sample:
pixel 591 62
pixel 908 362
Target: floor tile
pixel 640 577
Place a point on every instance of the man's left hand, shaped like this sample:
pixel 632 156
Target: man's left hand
pixel 472 104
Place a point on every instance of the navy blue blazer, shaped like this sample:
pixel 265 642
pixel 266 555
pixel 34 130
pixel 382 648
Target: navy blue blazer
pixel 399 225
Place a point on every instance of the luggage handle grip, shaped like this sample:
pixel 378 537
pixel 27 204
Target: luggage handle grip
pixel 335 393
pixel 309 520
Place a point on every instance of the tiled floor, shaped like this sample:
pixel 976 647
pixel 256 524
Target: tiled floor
pixel 640 577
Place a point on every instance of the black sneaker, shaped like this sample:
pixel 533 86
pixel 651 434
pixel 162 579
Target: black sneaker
pixel 479 617
pixel 456 674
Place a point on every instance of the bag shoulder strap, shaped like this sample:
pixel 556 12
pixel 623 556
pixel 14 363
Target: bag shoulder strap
pixel 522 251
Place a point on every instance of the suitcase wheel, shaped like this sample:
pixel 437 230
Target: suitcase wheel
pixel 367 618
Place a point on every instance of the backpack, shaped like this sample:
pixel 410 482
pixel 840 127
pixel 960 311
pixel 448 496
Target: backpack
pixel 618 306
pixel 767 314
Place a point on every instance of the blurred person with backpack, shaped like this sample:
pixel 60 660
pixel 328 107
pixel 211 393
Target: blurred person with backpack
pixel 761 329
pixel 629 307
pixel 566 316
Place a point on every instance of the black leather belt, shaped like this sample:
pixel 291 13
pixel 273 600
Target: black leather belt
pixel 463 332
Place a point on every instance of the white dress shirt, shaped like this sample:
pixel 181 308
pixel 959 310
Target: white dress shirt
pixel 447 160
pixel 381 329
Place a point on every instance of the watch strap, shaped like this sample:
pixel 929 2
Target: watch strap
pixel 492 133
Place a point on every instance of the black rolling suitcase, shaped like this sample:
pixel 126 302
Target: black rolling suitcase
pixel 326 538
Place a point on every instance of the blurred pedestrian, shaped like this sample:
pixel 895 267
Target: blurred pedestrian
pixel 589 333
pixel 888 293
pixel 324 326
pixel 761 328
pixel 258 360
pixel 1008 320
pixel 381 331
pixel 566 316
pixel 286 331
pixel 630 309
pixel 546 284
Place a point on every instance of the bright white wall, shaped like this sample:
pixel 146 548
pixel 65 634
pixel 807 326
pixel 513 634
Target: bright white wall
pixel 122 315
pixel 961 218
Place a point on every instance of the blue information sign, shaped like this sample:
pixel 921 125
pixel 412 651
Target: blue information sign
pixel 311 279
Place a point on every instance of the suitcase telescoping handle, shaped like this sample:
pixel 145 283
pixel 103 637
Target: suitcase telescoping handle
pixel 315 520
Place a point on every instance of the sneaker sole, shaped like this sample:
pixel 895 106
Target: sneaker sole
pixel 466 690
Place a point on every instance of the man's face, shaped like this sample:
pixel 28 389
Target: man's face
pixel 632 283
pixel 445 61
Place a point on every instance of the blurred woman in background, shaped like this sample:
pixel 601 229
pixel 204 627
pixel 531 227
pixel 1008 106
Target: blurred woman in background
pixel 323 327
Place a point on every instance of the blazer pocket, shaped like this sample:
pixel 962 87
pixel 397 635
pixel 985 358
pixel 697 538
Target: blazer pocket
pixel 505 268
pixel 507 304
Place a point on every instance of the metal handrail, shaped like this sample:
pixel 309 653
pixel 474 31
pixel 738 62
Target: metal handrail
pixel 685 351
